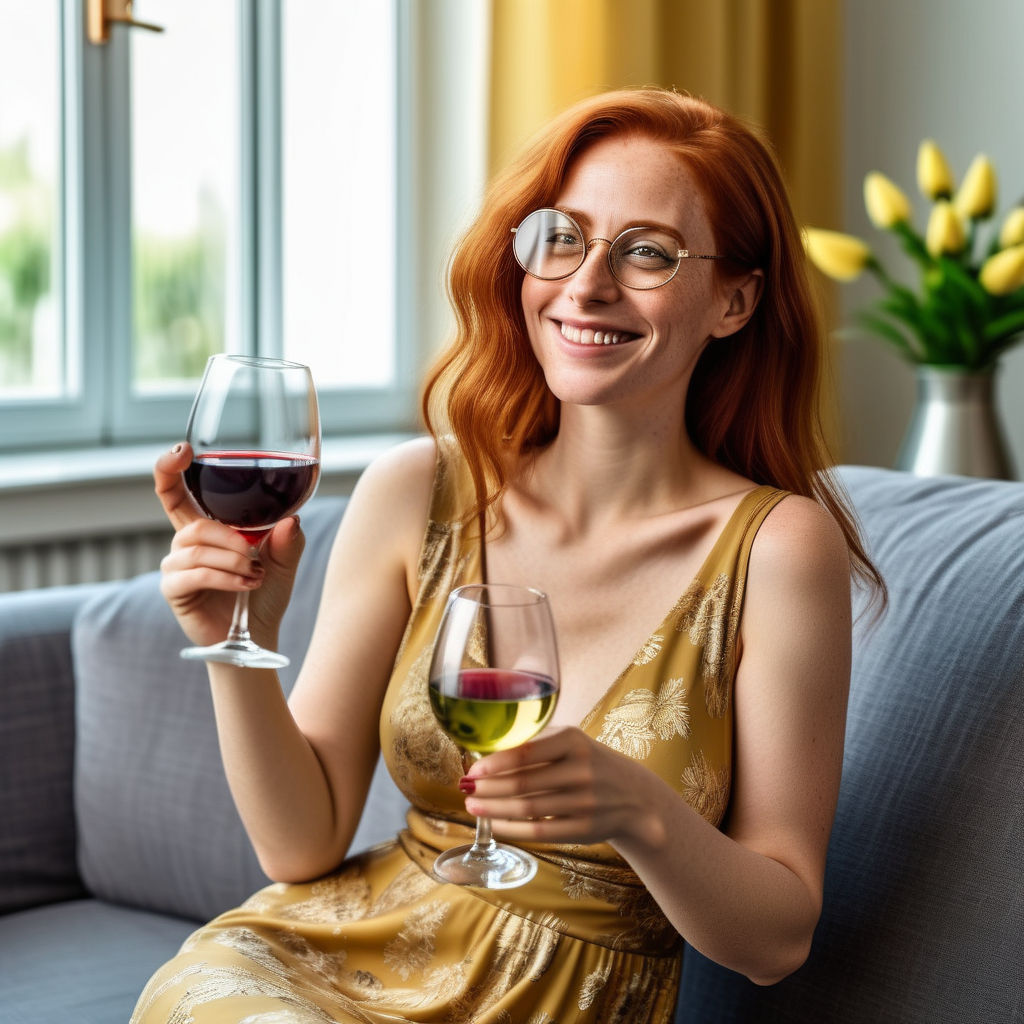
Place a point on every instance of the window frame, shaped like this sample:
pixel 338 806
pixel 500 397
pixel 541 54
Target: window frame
pixel 93 274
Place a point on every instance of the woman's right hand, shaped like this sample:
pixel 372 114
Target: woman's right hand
pixel 210 563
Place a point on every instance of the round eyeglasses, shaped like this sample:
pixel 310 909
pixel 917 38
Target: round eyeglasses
pixel 549 244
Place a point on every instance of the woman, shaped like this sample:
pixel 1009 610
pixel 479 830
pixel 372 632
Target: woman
pixel 626 420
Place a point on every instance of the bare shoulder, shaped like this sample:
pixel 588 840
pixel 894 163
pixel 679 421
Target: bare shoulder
pixel 798 537
pixel 405 471
pixel 394 490
pixel 798 577
pixel 388 510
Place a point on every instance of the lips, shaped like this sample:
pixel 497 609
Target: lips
pixel 594 336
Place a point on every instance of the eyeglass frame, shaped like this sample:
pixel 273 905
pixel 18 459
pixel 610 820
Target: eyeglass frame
pixel 681 254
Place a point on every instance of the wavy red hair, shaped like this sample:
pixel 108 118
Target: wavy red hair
pixel 753 400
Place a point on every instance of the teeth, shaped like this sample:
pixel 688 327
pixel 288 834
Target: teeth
pixel 586 336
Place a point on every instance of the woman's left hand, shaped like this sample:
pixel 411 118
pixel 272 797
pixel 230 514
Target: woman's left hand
pixel 562 787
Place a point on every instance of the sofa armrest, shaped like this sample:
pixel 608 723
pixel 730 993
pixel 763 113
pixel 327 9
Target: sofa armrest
pixel 37 739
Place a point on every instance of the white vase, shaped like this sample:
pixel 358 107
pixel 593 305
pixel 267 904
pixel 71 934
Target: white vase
pixel 955 428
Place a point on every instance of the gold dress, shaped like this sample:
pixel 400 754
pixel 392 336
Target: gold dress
pixel 381 940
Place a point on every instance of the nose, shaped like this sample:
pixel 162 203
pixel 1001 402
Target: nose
pixel 593 281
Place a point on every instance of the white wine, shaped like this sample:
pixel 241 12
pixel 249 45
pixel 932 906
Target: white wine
pixel 494 709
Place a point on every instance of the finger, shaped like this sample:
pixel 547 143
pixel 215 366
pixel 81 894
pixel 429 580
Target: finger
pixel 550 745
pixel 543 830
pixel 284 544
pixel 580 805
pixel 203 532
pixel 567 773
pixel 170 487
pixel 200 556
pixel 191 581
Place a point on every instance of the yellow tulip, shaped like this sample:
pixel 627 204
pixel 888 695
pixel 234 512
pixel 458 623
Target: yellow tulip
pixel 934 177
pixel 1012 232
pixel 976 197
pixel 945 232
pixel 839 256
pixel 886 204
pixel 1004 272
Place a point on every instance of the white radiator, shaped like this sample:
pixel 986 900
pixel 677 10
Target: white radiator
pixel 52 563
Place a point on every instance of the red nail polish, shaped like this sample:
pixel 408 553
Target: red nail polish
pixel 467 785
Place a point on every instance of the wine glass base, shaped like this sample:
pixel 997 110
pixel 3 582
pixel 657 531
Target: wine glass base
pixel 243 653
pixel 491 867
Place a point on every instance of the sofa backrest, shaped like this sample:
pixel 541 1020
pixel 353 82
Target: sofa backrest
pixel 157 827
pixel 924 902
pixel 37 740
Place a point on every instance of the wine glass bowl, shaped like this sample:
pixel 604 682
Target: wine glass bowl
pixel 254 429
pixel 493 685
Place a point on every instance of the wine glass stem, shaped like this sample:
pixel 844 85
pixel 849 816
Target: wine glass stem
pixel 239 631
pixel 483 840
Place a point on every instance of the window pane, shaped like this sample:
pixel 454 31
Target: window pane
pixel 338 179
pixel 185 178
pixel 32 362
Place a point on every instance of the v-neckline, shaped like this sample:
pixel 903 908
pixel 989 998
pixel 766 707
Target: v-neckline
pixel 747 499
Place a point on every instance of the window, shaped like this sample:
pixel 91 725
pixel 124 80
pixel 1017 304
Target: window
pixel 30 184
pixel 228 184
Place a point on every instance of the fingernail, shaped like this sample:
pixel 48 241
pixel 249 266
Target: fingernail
pixel 467 785
pixel 177 449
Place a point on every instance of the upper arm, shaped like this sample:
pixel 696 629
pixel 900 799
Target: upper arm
pixel 363 612
pixel 791 689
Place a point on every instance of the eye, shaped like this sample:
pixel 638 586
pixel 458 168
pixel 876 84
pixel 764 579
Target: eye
pixel 647 254
pixel 561 239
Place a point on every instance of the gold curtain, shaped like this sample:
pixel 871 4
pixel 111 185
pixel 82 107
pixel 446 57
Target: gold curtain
pixel 774 62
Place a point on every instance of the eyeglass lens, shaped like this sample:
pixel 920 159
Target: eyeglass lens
pixel 550 245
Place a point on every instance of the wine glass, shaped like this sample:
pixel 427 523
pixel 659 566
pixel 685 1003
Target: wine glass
pixel 493 685
pixel 255 435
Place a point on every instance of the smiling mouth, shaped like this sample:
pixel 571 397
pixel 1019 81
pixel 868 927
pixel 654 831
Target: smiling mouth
pixel 588 336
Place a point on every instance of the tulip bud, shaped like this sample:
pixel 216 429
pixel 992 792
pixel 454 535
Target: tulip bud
pixel 977 195
pixel 1012 232
pixel 945 232
pixel 934 177
pixel 886 204
pixel 839 256
pixel 1004 272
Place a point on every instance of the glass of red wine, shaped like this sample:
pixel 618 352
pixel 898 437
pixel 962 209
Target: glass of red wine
pixel 255 435
pixel 493 685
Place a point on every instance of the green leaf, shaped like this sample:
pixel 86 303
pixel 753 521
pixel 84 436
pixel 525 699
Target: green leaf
pixel 913 244
pixel 1005 326
pixel 884 329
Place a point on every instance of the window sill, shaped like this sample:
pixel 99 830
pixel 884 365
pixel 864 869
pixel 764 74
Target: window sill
pixel 51 495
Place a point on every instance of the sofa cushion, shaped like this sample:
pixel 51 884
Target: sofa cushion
pixel 923 900
pixel 37 701
pixel 82 962
pixel 157 825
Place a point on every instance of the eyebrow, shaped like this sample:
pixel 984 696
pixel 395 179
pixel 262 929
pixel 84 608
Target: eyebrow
pixel 584 221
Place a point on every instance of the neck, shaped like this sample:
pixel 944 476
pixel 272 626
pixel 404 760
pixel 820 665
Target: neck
pixel 602 466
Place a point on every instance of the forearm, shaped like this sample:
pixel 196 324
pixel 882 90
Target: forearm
pixel 277 781
pixel 739 907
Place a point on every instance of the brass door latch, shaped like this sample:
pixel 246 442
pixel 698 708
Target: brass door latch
pixel 101 13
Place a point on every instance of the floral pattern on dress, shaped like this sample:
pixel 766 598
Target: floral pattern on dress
pixel 643 716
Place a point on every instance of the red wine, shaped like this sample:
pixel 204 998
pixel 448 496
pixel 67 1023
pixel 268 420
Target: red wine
pixel 251 490
pixel 494 709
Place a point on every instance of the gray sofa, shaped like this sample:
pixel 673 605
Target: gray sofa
pixel 117 832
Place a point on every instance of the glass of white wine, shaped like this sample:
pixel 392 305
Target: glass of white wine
pixel 493 685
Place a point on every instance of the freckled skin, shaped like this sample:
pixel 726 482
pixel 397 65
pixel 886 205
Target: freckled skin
pixel 617 183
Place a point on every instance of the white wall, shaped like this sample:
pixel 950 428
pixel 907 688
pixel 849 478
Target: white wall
pixel 951 70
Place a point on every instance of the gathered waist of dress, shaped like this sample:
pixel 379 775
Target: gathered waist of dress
pixel 605 904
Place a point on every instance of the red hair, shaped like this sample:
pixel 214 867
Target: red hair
pixel 753 401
